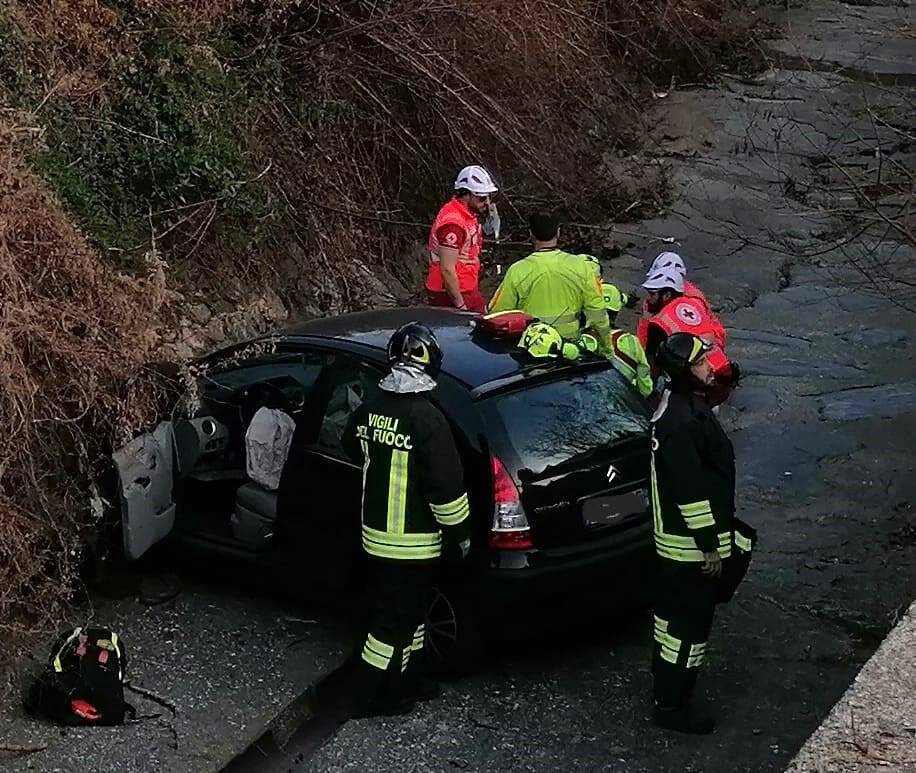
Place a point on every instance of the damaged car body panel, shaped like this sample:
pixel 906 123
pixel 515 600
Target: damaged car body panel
pixel 146 475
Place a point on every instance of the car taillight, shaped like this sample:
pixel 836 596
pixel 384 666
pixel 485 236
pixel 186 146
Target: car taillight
pixel 510 530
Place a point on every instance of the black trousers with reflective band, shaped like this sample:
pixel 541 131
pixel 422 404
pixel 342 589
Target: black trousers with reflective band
pixel 684 607
pixel 386 660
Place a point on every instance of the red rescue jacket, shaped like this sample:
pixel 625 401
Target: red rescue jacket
pixel 692 315
pixel 690 291
pixel 454 212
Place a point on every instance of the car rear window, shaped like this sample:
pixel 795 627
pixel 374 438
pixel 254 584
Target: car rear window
pixel 550 423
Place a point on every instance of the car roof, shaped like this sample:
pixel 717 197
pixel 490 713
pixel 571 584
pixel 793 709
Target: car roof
pixel 471 359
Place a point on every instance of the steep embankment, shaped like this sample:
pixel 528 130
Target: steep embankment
pixel 176 173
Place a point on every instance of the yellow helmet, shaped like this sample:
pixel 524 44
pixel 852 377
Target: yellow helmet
pixel 614 300
pixel 587 343
pixel 541 340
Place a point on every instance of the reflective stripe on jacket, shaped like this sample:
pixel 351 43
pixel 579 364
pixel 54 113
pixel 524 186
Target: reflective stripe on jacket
pixel 629 358
pixel 413 481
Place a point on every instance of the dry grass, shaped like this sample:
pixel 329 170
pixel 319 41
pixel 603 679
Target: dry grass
pixel 546 94
pixel 74 337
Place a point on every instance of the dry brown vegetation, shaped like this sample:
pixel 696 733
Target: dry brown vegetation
pixel 74 338
pixel 333 128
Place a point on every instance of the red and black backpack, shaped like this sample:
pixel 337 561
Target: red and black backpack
pixel 83 681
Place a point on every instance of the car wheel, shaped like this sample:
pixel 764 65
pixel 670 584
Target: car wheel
pixel 452 637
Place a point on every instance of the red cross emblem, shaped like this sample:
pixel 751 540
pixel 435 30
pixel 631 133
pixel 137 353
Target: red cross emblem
pixel 687 315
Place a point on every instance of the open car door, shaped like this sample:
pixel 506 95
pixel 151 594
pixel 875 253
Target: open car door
pixel 146 474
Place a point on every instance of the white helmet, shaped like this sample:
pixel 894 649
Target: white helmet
pixel 669 260
pixel 477 180
pixel 666 278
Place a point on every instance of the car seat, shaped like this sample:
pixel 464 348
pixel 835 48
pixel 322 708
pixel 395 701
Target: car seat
pixel 267 443
pixel 345 399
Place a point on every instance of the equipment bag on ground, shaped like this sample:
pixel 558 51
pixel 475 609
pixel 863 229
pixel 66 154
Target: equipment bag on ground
pixel 83 680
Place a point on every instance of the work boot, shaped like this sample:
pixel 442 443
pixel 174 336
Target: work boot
pixel 682 719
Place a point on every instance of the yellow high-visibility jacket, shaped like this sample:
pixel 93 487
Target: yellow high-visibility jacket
pixel 629 358
pixel 558 288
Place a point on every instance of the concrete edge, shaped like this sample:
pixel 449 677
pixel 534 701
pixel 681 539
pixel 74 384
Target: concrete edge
pixel 873 726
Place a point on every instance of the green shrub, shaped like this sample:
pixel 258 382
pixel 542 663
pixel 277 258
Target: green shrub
pixel 162 143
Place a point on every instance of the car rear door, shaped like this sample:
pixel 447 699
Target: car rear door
pixel 578 449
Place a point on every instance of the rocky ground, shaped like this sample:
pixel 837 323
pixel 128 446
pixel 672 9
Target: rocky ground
pixel 873 728
pixel 822 426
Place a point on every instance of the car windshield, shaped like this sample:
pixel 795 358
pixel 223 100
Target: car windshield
pixel 559 421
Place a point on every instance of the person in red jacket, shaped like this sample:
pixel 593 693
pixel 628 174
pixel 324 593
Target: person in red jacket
pixel 674 263
pixel 673 311
pixel 668 308
pixel 455 242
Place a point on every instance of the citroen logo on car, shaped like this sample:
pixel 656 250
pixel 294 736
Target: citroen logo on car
pixel 612 473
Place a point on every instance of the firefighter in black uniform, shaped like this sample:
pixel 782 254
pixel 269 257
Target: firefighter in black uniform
pixel 702 555
pixel 414 505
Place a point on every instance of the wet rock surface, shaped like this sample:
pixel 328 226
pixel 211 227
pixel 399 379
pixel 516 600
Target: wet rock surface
pixel 884 401
pixel 822 425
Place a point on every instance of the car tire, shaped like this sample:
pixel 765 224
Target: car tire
pixel 453 640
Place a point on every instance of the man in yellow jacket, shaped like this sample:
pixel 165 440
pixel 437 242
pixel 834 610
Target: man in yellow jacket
pixel 557 287
pixel 614 298
pixel 626 355
pixel 629 358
